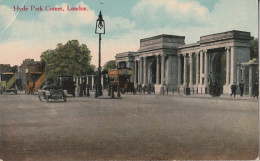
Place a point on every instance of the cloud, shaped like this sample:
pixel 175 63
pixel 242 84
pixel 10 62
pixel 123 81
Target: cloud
pixel 189 18
pixel 74 18
pixel 118 23
pixel 234 15
pixel 7 16
pixel 175 8
pixel 29 38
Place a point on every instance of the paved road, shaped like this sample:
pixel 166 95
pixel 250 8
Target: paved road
pixel 150 127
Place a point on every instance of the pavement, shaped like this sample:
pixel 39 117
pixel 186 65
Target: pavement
pixel 202 96
pixel 133 127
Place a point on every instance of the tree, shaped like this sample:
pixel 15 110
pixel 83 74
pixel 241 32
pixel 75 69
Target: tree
pixel 109 65
pixel 68 59
pixel 254 48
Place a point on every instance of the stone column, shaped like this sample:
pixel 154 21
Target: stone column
pixel 201 67
pixel 185 70
pixel 179 69
pixel 227 66
pixel 197 69
pixel 145 72
pixel 169 68
pixel 80 80
pixel 157 70
pixel 139 71
pixel 238 73
pixel 133 72
pixel 162 69
pixel 243 77
pixel 191 69
pixel 232 66
pixel 250 80
pixel 206 68
pixel 77 81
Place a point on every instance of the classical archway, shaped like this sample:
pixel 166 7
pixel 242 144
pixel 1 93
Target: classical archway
pixel 152 70
pixel 218 68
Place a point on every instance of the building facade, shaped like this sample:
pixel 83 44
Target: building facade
pixel 166 61
pixel 22 73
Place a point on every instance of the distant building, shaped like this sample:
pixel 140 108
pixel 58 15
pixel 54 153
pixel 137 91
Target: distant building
pixel 166 61
pixel 5 68
pixel 21 70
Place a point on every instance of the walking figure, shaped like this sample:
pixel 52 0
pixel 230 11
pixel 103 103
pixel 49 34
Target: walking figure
pixel 218 89
pixel 140 88
pixel 233 90
pixel 84 88
pixel 241 86
pixel 149 90
pixel 255 90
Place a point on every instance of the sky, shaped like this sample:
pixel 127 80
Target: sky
pixel 27 34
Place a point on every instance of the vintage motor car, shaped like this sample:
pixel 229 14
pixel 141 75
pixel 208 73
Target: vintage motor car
pixel 52 92
pixel 67 83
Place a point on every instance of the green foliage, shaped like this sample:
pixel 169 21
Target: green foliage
pixel 254 49
pixel 110 65
pixel 68 59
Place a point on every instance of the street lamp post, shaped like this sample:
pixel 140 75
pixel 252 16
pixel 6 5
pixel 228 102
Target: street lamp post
pixel 100 29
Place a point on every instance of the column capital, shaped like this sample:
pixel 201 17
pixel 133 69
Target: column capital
pixel 227 47
pixel 205 51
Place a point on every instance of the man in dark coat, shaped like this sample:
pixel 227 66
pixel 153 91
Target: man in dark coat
pixel 84 88
pixel 241 86
pixel 233 90
pixel 255 90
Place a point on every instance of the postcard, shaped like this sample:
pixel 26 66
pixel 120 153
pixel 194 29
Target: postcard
pixel 129 80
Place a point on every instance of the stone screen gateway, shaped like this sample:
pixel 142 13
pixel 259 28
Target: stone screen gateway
pixel 165 60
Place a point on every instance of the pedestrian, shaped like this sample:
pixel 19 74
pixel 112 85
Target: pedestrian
pixel 218 88
pixel 233 90
pixel 255 90
pixel 211 91
pixel 241 86
pixel 149 89
pixel 153 89
pixel 140 88
pixel 32 88
pixel 84 88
